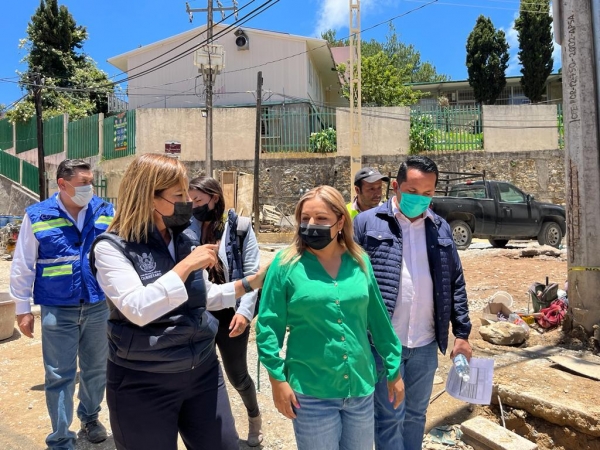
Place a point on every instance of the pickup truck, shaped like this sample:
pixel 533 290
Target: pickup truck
pixel 499 212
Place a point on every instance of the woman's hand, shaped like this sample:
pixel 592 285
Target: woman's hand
pixel 396 391
pixel 238 325
pixel 258 278
pixel 200 258
pixel 204 256
pixel 284 398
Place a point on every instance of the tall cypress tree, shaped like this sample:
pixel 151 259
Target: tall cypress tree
pixel 487 60
pixel 535 46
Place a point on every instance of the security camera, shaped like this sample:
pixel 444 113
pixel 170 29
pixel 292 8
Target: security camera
pixel 241 40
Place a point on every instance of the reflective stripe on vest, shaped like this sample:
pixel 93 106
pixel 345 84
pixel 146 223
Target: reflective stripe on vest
pixel 56 271
pixel 58 260
pixel 104 220
pixel 49 224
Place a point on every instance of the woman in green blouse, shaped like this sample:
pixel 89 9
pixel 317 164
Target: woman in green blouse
pixel 323 290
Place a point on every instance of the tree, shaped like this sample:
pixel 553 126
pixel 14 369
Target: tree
pixel 383 83
pixel 330 36
pixel 73 83
pixel 534 27
pixel 407 55
pixel 487 60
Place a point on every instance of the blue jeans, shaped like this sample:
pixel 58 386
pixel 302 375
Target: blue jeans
pixel 69 332
pixel 334 424
pixel 402 429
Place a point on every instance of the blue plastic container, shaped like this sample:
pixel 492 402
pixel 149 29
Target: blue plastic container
pixel 4 220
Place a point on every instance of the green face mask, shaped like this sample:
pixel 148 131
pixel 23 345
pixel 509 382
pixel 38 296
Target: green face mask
pixel 413 205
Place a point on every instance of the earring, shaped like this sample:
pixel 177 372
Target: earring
pixel 340 232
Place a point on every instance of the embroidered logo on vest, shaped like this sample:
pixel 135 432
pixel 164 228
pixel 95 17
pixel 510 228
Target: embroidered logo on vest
pixel 146 261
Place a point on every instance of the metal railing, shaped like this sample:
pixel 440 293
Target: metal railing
pixel 288 128
pixel 446 128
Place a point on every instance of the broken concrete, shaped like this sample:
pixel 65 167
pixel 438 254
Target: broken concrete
pixel 483 434
pixel 522 380
pixel 503 333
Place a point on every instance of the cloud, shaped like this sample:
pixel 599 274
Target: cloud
pixel 335 14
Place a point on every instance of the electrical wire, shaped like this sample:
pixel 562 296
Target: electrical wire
pixel 347 37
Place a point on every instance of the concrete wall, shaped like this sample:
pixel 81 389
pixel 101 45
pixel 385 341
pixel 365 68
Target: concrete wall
pixel 233 132
pixel 13 198
pixel 520 128
pixel 385 131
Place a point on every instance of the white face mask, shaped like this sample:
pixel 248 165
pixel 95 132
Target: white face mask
pixel 83 194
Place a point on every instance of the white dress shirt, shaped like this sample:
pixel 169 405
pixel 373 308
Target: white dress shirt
pixel 413 318
pixel 22 269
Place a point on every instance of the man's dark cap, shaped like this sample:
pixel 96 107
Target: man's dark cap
pixel 369 175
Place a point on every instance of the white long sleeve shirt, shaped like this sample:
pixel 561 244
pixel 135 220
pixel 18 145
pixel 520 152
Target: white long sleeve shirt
pixel 221 296
pixel 413 318
pixel 22 269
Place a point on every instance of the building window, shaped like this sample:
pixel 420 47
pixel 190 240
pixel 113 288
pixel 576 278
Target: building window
pixel 310 73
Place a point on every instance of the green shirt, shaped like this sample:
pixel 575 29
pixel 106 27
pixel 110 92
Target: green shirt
pixel 328 352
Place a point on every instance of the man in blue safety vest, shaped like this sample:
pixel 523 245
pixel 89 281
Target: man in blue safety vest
pixel 50 266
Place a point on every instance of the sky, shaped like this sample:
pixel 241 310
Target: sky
pixel 438 30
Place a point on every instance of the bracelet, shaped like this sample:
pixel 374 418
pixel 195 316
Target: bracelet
pixel 246 285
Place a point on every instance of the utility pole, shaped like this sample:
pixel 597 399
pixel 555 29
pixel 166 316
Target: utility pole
pixel 255 198
pixel 579 33
pixel 38 82
pixel 209 73
pixel 355 91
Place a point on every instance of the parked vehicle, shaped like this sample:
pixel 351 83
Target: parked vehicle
pixel 497 211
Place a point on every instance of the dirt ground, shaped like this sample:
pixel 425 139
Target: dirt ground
pixel 24 423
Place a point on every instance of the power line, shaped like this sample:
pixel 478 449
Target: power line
pixel 482 6
pixel 185 42
pixel 347 37
pixel 259 10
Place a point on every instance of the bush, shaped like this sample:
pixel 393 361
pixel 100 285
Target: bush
pixel 422 132
pixel 324 141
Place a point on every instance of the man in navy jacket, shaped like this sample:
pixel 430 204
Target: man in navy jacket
pixel 421 281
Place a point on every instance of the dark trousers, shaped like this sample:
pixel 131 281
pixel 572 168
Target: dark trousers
pixel 147 410
pixel 233 354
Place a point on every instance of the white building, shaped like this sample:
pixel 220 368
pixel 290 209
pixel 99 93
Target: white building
pixel 295 69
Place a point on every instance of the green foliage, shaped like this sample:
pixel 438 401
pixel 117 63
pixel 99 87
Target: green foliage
pixel 324 141
pixel 330 37
pixel 487 60
pixel 73 83
pixel 422 132
pixel 534 27
pixel 405 58
pixel 383 83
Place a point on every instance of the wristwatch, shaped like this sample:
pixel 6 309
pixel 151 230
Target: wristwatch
pixel 246 285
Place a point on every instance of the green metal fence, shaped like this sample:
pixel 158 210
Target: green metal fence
pixel 10 166
pixel 446 128
pixel 119 135
pixel 84 138
pixel 54 135
pixel 561 125
pixel 26 133
pixel 31 177
pixel 6 134
pixel 288 128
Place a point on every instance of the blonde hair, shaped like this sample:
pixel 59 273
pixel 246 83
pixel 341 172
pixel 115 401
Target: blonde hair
pixel 145 178
pixel 334 200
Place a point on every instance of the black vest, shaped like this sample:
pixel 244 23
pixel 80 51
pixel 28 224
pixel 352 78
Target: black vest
pixel 179 340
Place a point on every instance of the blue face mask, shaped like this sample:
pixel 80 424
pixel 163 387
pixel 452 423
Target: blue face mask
pixel 413 205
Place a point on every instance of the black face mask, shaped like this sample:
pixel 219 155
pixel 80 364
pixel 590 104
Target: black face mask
pixel 203 214
pixel 181 215
pixel 316 237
